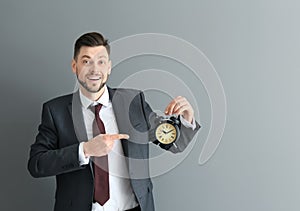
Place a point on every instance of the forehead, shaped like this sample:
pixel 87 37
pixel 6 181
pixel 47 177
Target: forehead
pixel 97 51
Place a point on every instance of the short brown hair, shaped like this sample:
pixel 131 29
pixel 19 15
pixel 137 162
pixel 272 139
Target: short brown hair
pixel 91 39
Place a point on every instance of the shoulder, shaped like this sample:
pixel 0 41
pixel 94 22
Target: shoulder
pixel 132 97
pixel 59 101
pixel 127 92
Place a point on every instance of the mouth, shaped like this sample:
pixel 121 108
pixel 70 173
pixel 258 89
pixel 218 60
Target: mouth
pixel 94 78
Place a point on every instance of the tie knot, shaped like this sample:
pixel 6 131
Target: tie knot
pixel 98 108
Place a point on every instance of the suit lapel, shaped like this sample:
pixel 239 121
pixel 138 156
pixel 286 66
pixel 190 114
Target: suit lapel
pixel 122 116
pixel 135 148
pixel 75 110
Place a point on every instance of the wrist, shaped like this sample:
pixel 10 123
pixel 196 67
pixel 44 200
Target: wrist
pixel 189 119
pixel 85 149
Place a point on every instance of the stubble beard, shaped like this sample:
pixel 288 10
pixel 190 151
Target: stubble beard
pixel 87 88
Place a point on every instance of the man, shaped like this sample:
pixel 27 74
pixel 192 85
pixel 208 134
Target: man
pixel 95 141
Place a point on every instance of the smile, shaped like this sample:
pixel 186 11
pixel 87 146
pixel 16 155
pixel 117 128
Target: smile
pixel 94 78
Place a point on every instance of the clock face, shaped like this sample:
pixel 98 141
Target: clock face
pixel 166 133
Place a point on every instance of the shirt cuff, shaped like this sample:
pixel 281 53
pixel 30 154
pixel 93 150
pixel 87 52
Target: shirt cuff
pixel 82 159
pixel 187 124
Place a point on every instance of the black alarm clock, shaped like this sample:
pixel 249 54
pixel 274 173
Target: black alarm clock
pixel 167 131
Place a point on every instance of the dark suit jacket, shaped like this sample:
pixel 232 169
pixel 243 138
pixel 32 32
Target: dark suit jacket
pixel 55 151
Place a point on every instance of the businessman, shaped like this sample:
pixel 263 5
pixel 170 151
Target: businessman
pixel 95 140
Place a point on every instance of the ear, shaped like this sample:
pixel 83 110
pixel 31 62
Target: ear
pixel 73 65
pixel 109 67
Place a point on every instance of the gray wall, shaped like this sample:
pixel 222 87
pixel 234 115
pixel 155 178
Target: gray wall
pixel 254 46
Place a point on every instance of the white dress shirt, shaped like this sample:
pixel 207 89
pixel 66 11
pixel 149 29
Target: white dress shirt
pixel 121 193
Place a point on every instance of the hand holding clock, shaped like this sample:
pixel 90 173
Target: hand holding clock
pixel 167 130
pixel 180 106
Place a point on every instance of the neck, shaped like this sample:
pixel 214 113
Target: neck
pixel 92 96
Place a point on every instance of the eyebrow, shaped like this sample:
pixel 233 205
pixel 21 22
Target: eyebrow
pixel 85 56
pixel 102 56
pixel 88 57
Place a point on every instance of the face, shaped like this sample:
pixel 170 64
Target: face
pixel 92 68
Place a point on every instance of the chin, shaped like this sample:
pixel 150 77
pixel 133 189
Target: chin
pixel 94 90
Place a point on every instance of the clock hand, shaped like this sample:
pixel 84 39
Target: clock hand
pixel 169 131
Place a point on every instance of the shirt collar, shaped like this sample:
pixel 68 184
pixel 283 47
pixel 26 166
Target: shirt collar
pixel 86 102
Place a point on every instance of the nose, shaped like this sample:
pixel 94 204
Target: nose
pixel 94 69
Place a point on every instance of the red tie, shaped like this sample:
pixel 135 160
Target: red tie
pixel 101 177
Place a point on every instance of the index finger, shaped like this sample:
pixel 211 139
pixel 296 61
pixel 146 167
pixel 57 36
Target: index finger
pixel 117 136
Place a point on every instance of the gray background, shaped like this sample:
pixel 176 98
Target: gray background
pixel 254 46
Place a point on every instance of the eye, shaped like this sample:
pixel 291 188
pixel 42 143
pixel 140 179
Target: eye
pixel 101 62
pixel 86 62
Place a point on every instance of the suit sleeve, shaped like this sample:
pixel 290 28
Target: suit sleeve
pixel 46 158
pixel 186 133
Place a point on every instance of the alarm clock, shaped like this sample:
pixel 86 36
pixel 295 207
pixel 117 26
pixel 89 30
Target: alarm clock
pixel 167 131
